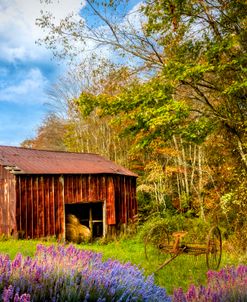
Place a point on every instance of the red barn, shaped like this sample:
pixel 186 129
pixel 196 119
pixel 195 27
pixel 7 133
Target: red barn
pixel 39 188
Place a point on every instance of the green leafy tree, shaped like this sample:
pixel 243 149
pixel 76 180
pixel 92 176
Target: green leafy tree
pixel 204 46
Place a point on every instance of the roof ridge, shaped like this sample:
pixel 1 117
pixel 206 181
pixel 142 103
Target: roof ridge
pixel 54 151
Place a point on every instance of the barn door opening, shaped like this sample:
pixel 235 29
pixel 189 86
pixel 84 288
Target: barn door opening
pixel 92 215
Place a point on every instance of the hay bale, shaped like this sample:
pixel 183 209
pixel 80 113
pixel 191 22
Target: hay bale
pixel 72 233
pixel 75 231
pixel 72 219
pixel 84 233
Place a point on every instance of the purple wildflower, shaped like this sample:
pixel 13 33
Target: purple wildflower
pixel 65 273
pixel 229 284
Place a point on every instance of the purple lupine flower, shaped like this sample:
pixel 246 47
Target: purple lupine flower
pixel 179 295
pixel 66 273
pixel 191 294
pixel 8 294
pixel 229 284
pixel 25 298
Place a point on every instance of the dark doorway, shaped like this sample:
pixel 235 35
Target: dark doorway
pixel 89 214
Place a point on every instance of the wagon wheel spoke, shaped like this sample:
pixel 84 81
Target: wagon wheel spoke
pixel 214 248
pixel 156 246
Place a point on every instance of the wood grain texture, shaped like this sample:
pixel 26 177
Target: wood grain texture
pixel 35 204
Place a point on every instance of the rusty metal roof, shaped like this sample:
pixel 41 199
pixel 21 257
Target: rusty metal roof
pixel 31 161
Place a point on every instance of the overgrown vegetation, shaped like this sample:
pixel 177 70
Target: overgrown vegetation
pixel 182 272
pixel 174 110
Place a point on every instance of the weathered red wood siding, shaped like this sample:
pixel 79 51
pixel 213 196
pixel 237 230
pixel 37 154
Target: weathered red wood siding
pixel 39 203
pixel 7 202
pixel 125 198
pixel 41 200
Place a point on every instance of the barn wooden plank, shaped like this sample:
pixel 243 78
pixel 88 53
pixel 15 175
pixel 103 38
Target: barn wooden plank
pixel 80 188
pixel 100 184
pixel 6 208
pixel 7 202
pixel 90 188
pixel 122 188
pixel 41 206
pixel 18 203
pixel 23 206
pixel 72 189
pixel 2 223
pixel 75 188
pixel 80 198
pixel 66 189
pixel 69 191
pixel 12 204
pixel 97 187
pixel 56 205
pixel 84 188
pixel 110 202
pixel 116 197
pixel 104 188
pixel 118 200
pixel 35 207
pixel 127 192
pixel 46 206
pixel 29 207
pixel 61 208
pixel 131 200
pixel 52 206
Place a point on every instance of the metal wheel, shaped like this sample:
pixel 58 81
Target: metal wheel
pixel 214 248
pixel 156 245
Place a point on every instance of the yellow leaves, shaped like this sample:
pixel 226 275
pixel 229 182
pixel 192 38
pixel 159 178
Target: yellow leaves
pixel 171 152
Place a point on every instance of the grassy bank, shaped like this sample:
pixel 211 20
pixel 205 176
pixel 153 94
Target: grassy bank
pixel 183 271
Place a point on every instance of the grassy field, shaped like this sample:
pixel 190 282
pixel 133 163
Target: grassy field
pixel 183 271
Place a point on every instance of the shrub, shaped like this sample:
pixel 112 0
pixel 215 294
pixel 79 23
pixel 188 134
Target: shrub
pixel 227 285
pixel 157 226
pixel 57 273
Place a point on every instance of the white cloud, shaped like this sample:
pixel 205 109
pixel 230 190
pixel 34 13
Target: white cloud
pixel 18 31
pixel 31 88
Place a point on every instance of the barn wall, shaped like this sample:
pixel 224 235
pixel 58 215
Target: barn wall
pixel 125 196
pixel 7 202
pixel 41 199
pixel 39 205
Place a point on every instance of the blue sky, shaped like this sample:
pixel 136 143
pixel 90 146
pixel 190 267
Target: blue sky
pixel 27 69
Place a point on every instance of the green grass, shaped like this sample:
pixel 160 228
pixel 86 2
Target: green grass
pixel 181 272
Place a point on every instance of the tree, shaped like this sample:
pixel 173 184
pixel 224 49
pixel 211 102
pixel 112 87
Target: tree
pixel 205 49
pixel 199 46
pixel 50 135
pixel 113 25
pixel 164 140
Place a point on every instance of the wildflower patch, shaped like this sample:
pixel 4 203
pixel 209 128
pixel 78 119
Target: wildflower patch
pixel 59 273
pixel 227 285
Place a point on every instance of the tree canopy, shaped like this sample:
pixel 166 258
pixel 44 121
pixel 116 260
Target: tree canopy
pixel 172 104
